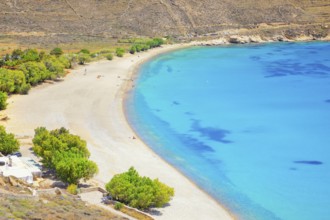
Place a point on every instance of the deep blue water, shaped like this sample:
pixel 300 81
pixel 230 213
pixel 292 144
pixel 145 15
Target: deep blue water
pixel 249 124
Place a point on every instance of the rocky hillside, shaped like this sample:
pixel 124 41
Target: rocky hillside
pixel 69 20
pixel 17 202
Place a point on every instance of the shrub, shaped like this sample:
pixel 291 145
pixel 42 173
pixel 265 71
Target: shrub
pixel 138 47
pixel 72 59
pixel 30 55
pixel 65 61
pixel 120 52
pixel 72 189
pixel 8 142
pixel 84 51
pixel 54 66
pixel 139 192
pixel 83 58
pixel 2 63
pixel 133 49
pixel 3 100
pixel 35 72
pixel 12 81
pixel 109 56
pixel 56 51
pixel 16 54
pixel 118 206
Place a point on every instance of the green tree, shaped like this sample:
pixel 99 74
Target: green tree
pixel 139 192
pixel 56 51
pixel 66 153
pixel 3 100
pixel 71 167
pixel 8 142
pixel 120 52
pixel 48 143
pixel 83 58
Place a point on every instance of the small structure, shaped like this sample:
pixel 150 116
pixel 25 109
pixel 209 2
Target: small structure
pixel 22 168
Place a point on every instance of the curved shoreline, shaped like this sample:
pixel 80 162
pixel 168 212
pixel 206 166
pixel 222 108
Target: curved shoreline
pixel 129 86
pixel 91 106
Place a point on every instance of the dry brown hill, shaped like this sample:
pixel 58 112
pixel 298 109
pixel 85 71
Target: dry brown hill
pixel 69 20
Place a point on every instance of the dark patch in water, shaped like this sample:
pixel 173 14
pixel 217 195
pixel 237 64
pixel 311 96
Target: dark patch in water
pixel 291 67
pixel 189 113
pixel 318 66
pixel 293 168
pixel 195 144
pixel 214 134
pixel 327 101
pixel 175 103
pixel 309 162
pixel 169 69
pixel 255 58
pixel 275 75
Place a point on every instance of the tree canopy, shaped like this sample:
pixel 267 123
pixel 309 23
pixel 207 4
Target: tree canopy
pixel 139 192
pixel 8 142
pixel 66 153
pixel 23 69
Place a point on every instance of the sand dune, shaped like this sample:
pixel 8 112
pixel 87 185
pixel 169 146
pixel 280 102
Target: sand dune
pixel 91 105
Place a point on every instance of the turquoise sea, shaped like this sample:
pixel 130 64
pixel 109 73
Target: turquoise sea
pixel 249 124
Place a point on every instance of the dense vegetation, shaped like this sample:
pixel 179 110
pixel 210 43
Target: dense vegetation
pixel 8 142
pixel 66 153
pixel 22 69
pixel 139 46
pixel 139 192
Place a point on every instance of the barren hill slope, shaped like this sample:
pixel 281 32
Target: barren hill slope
pixel 118 18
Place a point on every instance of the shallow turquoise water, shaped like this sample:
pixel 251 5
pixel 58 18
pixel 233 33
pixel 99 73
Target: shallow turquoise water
pixel 249 124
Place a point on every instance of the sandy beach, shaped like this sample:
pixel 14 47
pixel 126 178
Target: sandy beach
pixel 91 106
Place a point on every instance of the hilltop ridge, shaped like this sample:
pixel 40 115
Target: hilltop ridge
pixel 71 20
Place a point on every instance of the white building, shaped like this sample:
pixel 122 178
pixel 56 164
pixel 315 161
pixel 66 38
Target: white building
pixel 23 168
